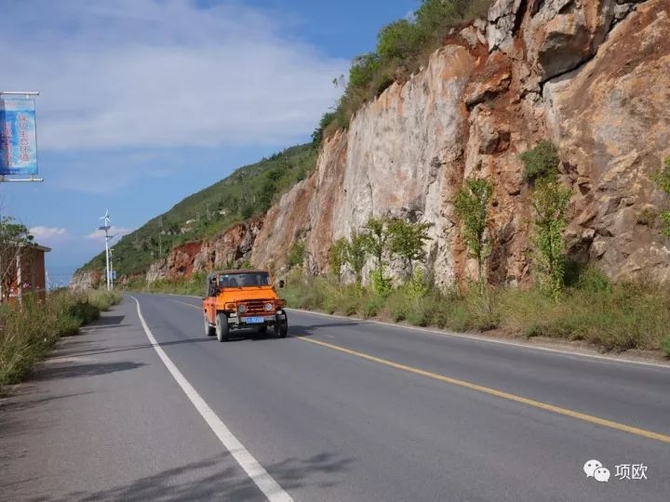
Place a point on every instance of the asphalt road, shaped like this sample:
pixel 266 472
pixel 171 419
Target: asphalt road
pixel 341 410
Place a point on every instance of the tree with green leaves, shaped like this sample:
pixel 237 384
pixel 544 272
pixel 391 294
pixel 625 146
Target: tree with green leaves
pixel 296 254
pixel 14 239
pixel 317 136
pixel 550 203
pixel 377 242
pixel 356 254
pixel 363 70
pixel 662 179
pixel 337 256
pixel 472 206
pixel 407 242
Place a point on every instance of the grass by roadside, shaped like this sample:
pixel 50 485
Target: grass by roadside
pixel 28 332
pixel 611 317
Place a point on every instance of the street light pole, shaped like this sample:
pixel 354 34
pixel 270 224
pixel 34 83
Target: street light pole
pixel 106 228
pixel 107 255
pixel 111 267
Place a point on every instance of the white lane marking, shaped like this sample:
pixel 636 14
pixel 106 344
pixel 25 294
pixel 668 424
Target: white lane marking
pixel 251 466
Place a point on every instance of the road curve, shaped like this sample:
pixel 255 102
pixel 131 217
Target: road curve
pixel 346 410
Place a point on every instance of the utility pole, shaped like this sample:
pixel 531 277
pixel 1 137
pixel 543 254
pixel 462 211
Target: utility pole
pixel 112 273
pixel 106 228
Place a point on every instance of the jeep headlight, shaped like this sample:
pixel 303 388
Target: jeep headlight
pixel 269 306
pixel 242 309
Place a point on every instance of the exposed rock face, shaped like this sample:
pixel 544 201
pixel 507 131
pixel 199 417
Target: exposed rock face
pixel 230 249
pixel 560 34
pixel 590 75
pixel 378 166
pixel 612 123
pixel 475 109
pixel 83 281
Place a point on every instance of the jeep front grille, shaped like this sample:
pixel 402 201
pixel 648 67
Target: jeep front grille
pixel 256 307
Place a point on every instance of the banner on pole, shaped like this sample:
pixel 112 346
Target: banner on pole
pixel 18 138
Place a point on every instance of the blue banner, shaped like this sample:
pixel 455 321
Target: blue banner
pixel 18 139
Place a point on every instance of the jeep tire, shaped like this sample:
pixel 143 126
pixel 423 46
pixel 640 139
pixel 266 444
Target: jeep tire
pixel 209 329
pixel 281 328
pixel 222 329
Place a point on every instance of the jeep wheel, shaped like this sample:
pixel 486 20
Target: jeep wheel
pixel 209 329
pixel 281 328
pixel 222 329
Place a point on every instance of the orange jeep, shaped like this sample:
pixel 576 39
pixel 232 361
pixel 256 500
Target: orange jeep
pixel 243 299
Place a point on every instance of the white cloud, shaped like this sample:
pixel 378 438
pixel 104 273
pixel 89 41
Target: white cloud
pixel 141 73
pixel 43 234
pixel 117 232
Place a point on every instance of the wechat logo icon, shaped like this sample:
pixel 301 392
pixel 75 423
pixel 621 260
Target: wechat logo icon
pixel 594 469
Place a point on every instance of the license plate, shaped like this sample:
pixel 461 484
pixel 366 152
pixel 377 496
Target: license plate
pixel 254 320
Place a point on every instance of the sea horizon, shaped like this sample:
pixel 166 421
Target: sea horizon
pixel 60 276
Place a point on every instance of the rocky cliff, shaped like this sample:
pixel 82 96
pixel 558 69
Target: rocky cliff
pixel 231 249
pixel 589 75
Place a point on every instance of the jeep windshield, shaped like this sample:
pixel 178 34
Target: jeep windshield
pixel 244 279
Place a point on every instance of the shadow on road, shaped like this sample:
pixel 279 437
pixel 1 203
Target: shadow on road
pixel 107 320
pixel 301 330
pixel 57 370
pixel 99 327
pixel 220 479
pixel 140 346
pixel 12 417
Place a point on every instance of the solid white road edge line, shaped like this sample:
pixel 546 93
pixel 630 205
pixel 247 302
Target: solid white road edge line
pixel 251 466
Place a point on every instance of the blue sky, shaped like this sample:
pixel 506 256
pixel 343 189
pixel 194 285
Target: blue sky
pixel 143 102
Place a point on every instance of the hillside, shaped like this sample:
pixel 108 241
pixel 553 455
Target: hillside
pixel 247 192
pixel 588 77
pixel 561 72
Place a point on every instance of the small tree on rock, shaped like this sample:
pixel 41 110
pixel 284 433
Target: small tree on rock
pixel 471 206
pixel 337 256
pixel 356 254
pixel 407 242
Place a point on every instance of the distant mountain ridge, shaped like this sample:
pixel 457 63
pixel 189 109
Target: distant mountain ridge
pixel 249 191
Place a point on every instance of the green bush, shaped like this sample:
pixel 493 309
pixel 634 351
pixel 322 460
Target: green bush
pixel 662 180
pixel 372 306
pixel 540 162
pixel 403 47
pixel 666 345
pixel 296 254
pixel 398 41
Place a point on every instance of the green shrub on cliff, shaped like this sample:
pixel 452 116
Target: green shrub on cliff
pixel 662 179
pixel 540 162
pixel 403 47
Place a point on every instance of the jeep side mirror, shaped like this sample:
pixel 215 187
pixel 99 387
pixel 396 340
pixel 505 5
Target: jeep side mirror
pixel 281 283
